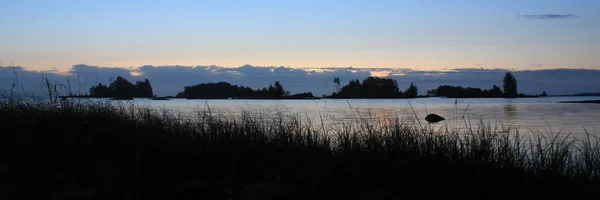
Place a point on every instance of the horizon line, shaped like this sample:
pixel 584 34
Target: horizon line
pixel 133 68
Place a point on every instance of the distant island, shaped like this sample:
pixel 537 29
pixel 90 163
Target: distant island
pixel 510 90
pixel 586 101
pixel 582 94
pixel 369 88
pixel 121 88
pixel 373 87
pixel 468 92
pixel 225 90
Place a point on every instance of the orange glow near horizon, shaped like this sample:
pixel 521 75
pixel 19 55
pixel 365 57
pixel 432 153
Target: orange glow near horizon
pixel 380 73
pixel 64 65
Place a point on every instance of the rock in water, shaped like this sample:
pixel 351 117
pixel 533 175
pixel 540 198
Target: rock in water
pixel 432 118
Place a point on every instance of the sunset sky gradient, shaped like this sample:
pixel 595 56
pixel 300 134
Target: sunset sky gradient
pixel 419 34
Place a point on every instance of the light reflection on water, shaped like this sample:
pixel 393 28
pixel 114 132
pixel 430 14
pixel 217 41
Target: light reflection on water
pixel 542 114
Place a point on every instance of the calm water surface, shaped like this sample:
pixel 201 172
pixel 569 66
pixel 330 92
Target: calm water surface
pixel 541 114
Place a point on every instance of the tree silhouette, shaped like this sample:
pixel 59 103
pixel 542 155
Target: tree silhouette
pixel 122 88
pixel 226 90
pixel 304 95
pixel 468 92
pixel 371 87
pixel 143 89
pixel 411 92
pixel 432 92
pixel 336 80
pixel 510 85
pixel 279 91
pixel 352 90
pixel 100 91
pixel 495 92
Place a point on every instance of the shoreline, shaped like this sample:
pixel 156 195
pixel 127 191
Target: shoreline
pixel 315 98
pixel 585 101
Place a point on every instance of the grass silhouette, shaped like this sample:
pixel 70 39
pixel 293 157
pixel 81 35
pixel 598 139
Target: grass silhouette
pixel 96 149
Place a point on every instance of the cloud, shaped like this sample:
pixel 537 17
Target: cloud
pixel 169 80
pixel 548 16
pixel 536 64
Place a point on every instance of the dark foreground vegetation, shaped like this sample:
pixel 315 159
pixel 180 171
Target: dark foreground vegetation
pixel 87 150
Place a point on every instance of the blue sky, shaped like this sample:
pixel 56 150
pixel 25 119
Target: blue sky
pixel 419 34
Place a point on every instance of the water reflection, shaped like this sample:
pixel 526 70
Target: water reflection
pixel 525 113
pixel 510 112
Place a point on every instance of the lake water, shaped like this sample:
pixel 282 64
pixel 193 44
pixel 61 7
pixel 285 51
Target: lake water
pixel 540 114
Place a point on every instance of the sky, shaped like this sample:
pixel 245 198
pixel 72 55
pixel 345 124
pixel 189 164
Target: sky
pixel 550 45
pixel 413 34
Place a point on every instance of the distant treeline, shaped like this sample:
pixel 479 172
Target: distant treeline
pixel 510 90
pixel 469 92
pixel 371 87
pixel 226 90
pixel 122 88
pixel 374 87
pixel 583 94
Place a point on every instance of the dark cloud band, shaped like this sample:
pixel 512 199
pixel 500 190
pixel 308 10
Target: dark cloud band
pixel 548 16
pixel 168 80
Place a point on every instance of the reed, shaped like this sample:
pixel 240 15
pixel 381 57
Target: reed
pixel 106 150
